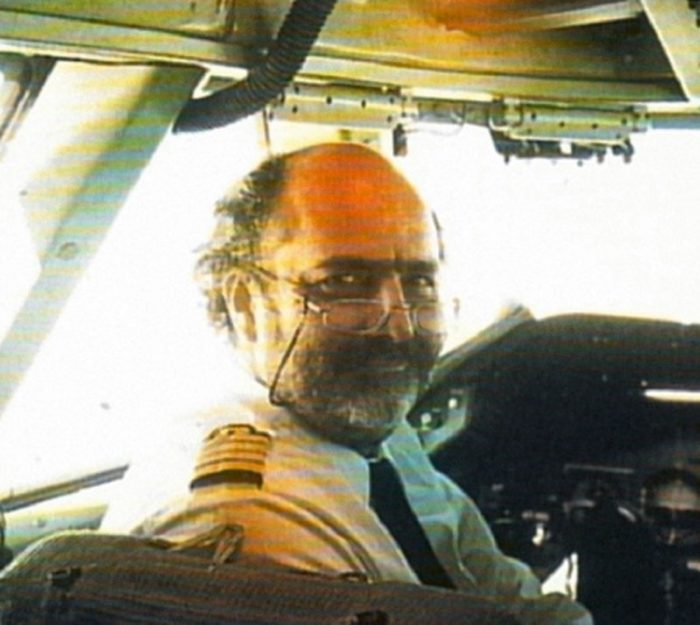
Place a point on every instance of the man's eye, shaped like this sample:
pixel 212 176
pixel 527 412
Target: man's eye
pixel 342 282
pixel 422 281
pixel 419 285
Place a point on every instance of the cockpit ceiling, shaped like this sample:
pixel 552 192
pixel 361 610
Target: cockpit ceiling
pixel 403 35
pixel 568 51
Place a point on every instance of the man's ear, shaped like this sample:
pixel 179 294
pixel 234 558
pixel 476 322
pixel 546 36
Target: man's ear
pixel 239 302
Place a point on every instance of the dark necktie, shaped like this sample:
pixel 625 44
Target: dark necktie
pixel 388 500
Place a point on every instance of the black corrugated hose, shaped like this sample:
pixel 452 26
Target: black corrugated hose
pixel 287 54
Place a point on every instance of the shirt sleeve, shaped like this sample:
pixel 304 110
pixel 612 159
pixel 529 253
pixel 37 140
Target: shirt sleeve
pixel 504 579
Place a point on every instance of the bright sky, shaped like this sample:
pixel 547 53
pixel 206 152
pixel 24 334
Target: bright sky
pixel 133 348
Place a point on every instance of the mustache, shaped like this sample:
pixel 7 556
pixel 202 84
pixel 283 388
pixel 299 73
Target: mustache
pixel 364 353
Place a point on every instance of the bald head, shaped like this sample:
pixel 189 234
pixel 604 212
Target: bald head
pixel 345 199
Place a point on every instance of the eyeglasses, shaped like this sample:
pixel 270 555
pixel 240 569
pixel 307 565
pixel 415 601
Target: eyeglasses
pixel 361 315
pixel 366 316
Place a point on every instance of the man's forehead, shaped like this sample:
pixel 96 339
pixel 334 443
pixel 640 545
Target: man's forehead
pixel 344 181
pixel 349 203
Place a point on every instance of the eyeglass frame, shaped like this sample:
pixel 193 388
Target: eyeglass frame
pixel 313 306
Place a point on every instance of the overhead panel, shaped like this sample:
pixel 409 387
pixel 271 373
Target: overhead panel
pixel 399 42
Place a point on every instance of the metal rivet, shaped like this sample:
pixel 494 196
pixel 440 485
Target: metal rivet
pixel 68 251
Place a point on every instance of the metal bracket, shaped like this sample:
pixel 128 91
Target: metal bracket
pixel 349 107
pixel 528 130
pixel 520 120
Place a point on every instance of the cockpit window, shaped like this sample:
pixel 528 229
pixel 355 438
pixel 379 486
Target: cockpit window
pixel 566 236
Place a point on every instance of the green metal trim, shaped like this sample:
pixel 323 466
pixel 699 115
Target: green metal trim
pixel 28 33
pixel 209 17
pixel 14 69
pixel 17 500
pixel 674 22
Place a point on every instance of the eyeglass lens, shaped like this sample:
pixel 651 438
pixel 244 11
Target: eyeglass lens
pixel 367 315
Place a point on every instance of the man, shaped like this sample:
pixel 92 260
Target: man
pixel 324 270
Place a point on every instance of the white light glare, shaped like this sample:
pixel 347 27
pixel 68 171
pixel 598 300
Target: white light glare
pixel 673 395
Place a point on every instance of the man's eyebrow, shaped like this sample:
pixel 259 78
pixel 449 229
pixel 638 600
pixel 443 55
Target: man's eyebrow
pixel 356 263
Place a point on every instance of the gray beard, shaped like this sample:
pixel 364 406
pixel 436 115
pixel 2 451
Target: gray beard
pixel 359 420
pixel 348 389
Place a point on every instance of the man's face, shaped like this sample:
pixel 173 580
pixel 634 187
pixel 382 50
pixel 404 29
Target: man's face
pixel 348 227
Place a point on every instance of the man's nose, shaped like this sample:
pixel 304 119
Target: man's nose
pixel 399 325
